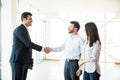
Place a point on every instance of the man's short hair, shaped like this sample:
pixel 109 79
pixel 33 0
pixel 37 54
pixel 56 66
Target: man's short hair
pixel 76 24
pixel 25 15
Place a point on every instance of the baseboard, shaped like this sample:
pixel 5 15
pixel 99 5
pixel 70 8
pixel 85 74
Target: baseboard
pixel 117 63
pixel 52 59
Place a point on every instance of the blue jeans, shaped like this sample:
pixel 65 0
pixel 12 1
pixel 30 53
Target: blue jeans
pixel 91 76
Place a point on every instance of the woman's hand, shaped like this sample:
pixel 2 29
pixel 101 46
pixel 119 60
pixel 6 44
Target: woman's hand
pixel 80 63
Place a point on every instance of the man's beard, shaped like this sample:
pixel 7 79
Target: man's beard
pixel 70 31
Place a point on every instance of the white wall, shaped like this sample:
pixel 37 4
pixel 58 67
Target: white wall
pixel 0 39
pixel 8 20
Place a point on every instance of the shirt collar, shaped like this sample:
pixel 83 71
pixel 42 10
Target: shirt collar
pixel 26 27
pixel 75 35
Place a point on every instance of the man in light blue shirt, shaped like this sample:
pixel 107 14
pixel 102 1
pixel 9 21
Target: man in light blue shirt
pixel 72 50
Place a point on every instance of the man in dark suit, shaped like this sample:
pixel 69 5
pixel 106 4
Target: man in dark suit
pixel 21 56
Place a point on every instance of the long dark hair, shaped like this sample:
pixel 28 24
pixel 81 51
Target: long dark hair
pixel 92 33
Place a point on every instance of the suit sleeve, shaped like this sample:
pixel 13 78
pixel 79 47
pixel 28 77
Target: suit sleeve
pixel 23 36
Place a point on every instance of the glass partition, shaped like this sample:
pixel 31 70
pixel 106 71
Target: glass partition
pixel 37 33
pixel 0 39
pixel 113 41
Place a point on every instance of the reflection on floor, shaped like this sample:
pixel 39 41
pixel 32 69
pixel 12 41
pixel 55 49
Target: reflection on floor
pixel 47 70
pixel 53 70
pixel 111 72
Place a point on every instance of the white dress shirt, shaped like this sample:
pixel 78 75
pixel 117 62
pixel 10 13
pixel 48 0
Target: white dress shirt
pixel 72 47
pixel 93 54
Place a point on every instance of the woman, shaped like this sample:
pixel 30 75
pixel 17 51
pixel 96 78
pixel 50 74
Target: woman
pixel 90 53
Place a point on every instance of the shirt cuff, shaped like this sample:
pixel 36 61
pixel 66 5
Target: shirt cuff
pixel 42 49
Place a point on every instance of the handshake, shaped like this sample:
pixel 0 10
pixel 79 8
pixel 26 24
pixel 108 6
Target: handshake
pixel 47 50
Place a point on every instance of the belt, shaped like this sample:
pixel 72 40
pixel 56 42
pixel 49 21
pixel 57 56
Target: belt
pixel 70 60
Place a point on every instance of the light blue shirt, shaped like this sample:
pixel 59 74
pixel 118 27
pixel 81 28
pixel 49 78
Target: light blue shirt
pixel 72 47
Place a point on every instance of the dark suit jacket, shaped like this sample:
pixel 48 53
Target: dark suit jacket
pixel 22 46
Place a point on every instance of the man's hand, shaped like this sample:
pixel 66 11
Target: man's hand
pixel 47 49
pixel 79 72
pixel 81 62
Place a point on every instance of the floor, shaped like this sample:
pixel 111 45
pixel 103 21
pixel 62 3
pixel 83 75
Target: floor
pixel 53 70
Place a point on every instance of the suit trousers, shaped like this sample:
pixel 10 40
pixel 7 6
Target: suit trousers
pixel 70 69
pixel 19 71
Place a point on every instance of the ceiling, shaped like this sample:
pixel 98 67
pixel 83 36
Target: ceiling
pixel 76 5
pixel 56 7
